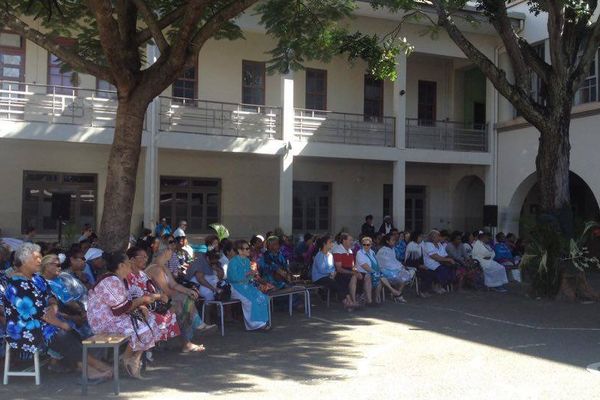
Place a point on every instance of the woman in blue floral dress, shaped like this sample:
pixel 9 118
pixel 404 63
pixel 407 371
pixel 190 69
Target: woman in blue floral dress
pixel 32 324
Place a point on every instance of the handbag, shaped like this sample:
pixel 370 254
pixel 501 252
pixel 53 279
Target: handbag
pixel 160 307
pixel 225 294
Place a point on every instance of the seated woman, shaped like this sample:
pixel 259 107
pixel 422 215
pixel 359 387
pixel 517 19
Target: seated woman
pixel 74 265
pixel 31 314
pixel 70 293
pixel 323 272
pixel 112 311
pixel 273 266
pixel 255 304
pixel 206 272
pixel 436 260
pixel 140 284
pixel 366 261
pixel 467 272
pixel 183 300
pixel 494 274
pixel 392 269
pixel 503 252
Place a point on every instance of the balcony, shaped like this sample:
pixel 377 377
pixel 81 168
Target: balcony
pixel 445 135
pixel 345 128
pixel 56 104
pixel 220 119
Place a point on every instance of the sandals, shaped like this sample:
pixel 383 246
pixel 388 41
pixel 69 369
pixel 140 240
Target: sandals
pixel 133 368
pixel 193 348
pixel 399 299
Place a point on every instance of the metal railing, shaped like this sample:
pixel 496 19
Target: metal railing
pixel 220 118
pixel 445 135
pixel 57 104
pixel 337 127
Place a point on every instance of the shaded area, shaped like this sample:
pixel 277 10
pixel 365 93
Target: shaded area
pixel 336 348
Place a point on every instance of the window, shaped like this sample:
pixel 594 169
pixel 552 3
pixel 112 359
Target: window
pixel 537 89
pixel 373 99
pixel 73 193
pixel 106 90
pixel 311 207
pixel 414 208
pixel 184 88
pixel 61 81
pixel 588 92
pixel 388 196
pixel 316 89
pixel 12 57
pixel 253 82
pixel 427 103
pixel 197 200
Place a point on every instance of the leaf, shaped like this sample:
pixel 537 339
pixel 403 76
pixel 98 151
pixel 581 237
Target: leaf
pixel 221 230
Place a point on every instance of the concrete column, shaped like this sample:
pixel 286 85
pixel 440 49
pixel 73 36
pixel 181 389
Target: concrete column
pixel 286 161
pixel 400 101
pixel 151 193
pixel 399 193
pixel 491 196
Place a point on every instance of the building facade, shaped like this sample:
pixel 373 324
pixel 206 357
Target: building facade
pixel 315 150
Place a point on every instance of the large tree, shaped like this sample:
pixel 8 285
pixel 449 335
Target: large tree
pixel 574 37
pixel 110 39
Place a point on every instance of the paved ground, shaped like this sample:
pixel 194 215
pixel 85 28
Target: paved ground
pixel 461 345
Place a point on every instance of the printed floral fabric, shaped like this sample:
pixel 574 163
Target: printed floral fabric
pixel 140 284
pixel 25 301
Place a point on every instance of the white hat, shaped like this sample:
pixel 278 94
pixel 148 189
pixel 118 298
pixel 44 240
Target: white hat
pixel 93 253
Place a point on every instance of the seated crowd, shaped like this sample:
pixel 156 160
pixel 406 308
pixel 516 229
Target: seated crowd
pixel 51 299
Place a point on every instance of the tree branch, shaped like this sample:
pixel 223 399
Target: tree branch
pixel 67 55
pixel 117 55
pixel 215 22
pixel 146 34
pixel 152 23
pixel 530 110
pixel 591 47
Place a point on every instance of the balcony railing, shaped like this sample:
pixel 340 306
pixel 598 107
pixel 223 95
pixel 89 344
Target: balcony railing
pixel 218 118
pixel 57 104
pixel 445 135
pixel 336 127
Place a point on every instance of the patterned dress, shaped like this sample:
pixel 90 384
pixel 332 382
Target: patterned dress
pixel 139 285
pixel 25 301
pixel 108 305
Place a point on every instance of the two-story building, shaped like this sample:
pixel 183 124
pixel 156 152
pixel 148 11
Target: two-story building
pixel 315 150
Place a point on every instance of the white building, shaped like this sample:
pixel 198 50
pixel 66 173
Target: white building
pixel 315 150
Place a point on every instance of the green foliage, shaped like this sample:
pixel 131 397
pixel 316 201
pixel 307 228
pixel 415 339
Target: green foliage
pixel 304 30
pixel 549 254
pixel 70 234
pixel 221 231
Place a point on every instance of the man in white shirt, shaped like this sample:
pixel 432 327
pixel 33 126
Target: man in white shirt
pixel 180 231
pixel 436 259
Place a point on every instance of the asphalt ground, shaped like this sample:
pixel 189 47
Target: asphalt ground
pixel 468 345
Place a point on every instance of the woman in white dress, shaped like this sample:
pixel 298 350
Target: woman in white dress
pixel 494 274
pixel 391 268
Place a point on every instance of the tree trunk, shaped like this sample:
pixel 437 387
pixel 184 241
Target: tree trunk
pixel 552 164
pixel 119 194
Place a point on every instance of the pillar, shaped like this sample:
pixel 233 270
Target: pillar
pixel 151 155
pixel 399 102
pixel 399 193
pixel 286 160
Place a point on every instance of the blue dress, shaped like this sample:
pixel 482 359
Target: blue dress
pixel 255 303
pixel 25 301
pixel 269 264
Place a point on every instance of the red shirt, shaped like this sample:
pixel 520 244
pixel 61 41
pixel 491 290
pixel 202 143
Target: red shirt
pixel 341 255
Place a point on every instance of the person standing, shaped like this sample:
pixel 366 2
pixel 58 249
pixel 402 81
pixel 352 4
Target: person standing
pixel 368 229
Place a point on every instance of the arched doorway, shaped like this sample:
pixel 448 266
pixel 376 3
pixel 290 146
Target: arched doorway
pixel 468 201
pixel 584 204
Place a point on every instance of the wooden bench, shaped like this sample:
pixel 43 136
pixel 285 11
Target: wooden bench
pixel 102 341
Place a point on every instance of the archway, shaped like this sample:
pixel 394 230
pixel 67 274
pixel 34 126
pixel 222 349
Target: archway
pixel 468 201
pixel 584 203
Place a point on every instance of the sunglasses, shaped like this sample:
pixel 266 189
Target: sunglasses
pixel 367 244
pixel 245 248
pixel 171 242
